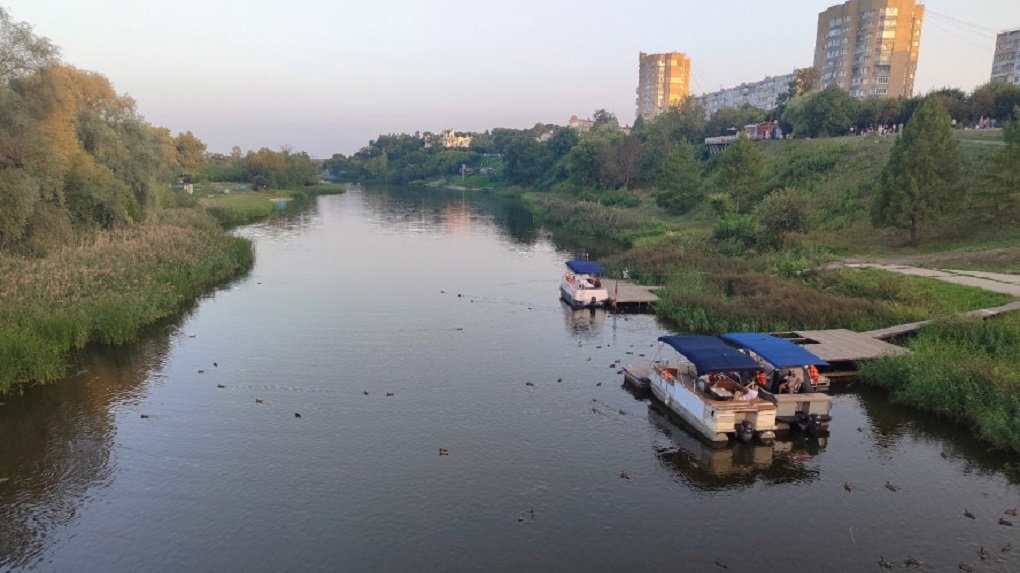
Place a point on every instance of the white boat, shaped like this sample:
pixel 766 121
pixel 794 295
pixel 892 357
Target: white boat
pixel 700 389
pixel 582 286
pixel 806 407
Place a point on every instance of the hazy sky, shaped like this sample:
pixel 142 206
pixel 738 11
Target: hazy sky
pixel 326 76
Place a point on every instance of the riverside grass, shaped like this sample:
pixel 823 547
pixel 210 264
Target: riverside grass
pixel 964 370
pixel 107 290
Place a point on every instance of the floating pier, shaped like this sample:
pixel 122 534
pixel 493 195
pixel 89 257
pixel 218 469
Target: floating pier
pixel 626 293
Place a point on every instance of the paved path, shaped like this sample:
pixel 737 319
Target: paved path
pixel 995 282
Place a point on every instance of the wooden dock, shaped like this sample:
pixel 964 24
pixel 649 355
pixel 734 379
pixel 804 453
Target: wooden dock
pixel 901 329
pixel 629 294
pixel 842 345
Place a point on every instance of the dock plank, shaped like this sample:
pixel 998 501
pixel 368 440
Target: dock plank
pixel 626 292
pixel 843 345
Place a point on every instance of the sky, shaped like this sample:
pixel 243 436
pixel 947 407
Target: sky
pixel 327 76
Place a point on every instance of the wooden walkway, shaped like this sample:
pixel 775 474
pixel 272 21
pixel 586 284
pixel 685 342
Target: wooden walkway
pixel 842 345
pixel 901 329
pixel 628 293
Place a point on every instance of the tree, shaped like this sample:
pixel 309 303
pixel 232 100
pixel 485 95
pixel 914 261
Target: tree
pixel 619 161
pixel 1004 166
pixel 603 117
pixel 741 173
pixel 922 175
pixel 678 189
pixel 733 117
pixel 782 212
pixel 190 151
pixel 19 193
pixel 21 51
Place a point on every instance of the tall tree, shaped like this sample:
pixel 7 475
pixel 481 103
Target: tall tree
pixel 921 178
pixel 782 212
pixel 741 173
pixel 21 51
pixel 678 189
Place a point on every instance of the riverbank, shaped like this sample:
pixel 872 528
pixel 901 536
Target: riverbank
pixel 107 290
pixel 236 208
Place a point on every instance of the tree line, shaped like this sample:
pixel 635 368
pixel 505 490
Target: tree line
pixel 76 156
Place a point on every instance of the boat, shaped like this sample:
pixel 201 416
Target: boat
pixel 582 286
pixel 636 377
pixel 700 388
pixel 808 409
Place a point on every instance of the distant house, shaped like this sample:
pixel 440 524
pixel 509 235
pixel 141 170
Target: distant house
pixel 446 138
pixel 580 125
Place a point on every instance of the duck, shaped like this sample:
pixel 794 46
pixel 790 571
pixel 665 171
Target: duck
pixel 559 379
pixel 365 392
pixel 390 394
pixel 983 553
pixel 215 365
pixel 220 386
pixel 201 371
pixel 258 400
pixel 891 487
pixel 623 413
pixel 1007 522
pixel 297 414
pixel 1007 547
pixel 1010 512
pixel 882 562
pixel 846 486
pixel 529 383
pixel 598 384
pixel 967 513
pixel 624 475
pixel 444 452
pixel 912 561
pixel 145 416
pixel 721 563
pixel 965 567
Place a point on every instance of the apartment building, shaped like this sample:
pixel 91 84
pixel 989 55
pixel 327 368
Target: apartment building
pixel 1006 62
pixel 663 81
pixel 761 94
pixel 870 47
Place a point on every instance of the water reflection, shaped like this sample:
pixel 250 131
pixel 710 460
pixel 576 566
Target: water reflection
pixel 57 441
pixel 704 467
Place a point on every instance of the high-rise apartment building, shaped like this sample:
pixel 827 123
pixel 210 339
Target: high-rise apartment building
pixel 870 47
pixel 1006 63
pixel 663 80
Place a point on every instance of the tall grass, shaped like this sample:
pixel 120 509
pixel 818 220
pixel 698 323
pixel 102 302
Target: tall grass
pixel 106 290
pixel 964 370
pixel 705 291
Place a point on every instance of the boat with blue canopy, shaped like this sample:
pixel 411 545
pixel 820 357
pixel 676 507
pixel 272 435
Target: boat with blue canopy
pixel 792 381
pixel 582 285
pixel 706 387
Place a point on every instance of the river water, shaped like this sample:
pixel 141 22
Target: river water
pixel 448 301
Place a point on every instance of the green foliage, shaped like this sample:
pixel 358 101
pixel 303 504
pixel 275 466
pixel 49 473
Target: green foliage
pixel 21 51
pixel 922 174
pixel 739 229
pixel 741 173
pixel 678 189
pixel 831 111
pixel 733 118
pixel 107 290
pixel 782 212
pixel 964 370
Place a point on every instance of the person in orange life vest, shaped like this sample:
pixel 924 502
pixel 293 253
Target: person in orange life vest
pixel 813 373
pixel 762 379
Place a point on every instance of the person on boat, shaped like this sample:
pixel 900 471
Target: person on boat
pixel 598 283
pixel 790 384
pixel 750 393
pixel 761 379
pixel 813 374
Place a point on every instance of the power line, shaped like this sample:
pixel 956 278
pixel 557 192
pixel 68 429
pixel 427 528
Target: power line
pixel 961 38
pixel 961 22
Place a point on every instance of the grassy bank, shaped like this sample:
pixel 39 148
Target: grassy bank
pixel 105 291
pixel 964 370
pixel 706 291
pixel 245 207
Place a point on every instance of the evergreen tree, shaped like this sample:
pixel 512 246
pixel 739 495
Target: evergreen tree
pixel 678 189
pixel 741 173
pixel 921 178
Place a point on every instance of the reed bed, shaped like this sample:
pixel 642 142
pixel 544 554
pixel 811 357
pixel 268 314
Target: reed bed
pixel 964 370
pixel 107 290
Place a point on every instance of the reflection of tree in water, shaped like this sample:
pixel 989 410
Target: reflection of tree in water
pixel 707 468
pixel 891 425
pixel 57 440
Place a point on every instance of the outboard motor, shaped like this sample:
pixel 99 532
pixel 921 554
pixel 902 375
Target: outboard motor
pixel 745 432
pixel 809 424
pixel 594 302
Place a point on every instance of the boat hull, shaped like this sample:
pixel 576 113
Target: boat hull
pixel 583 298
pixel 716 420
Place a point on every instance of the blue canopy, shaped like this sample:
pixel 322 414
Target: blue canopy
pixel 585 267
pixel 779 352
pixel 709 354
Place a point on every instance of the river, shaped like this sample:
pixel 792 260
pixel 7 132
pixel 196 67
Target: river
pixel 396 322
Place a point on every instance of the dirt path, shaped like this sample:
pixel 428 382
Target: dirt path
pixel 995 282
